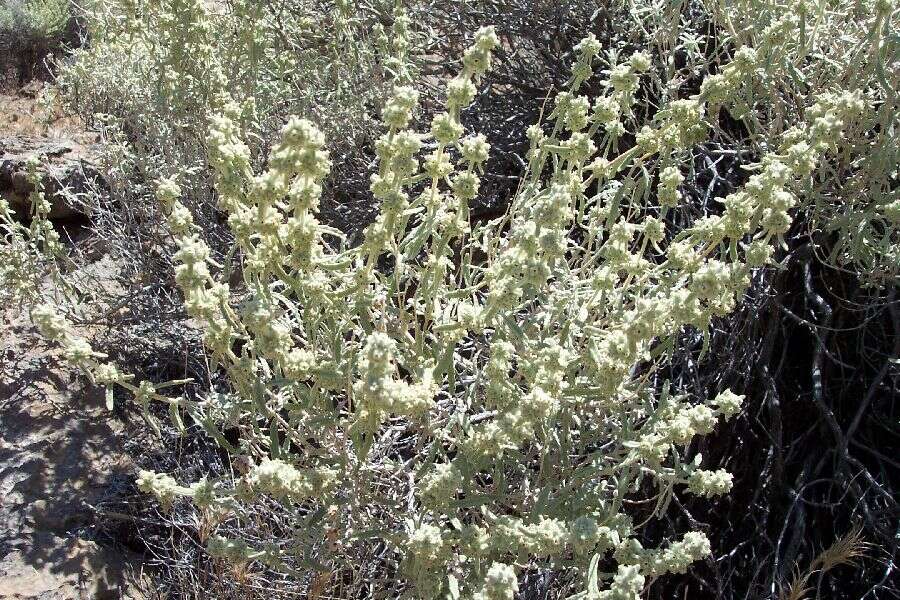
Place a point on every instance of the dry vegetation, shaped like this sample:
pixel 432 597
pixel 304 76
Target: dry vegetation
pixel 598 301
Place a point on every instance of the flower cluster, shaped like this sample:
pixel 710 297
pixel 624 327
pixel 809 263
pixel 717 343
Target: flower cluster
pixel 721 87
pixel 675 558
pixel 284 481
pixel 163 487
pixel 500 583
pixel 710 483
pixel 379 390
pixel 204 298
pixel 440 485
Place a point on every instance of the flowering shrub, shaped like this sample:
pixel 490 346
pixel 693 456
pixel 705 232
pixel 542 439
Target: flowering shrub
pixel 851 203
pixel 508 375
pixel 155 72
pixel 26 250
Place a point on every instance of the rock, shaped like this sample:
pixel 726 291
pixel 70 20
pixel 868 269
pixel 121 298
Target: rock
pixel 58 568
pixel 60 456
pixel 67 167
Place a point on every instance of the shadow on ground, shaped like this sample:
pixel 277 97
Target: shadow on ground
pixel 59 448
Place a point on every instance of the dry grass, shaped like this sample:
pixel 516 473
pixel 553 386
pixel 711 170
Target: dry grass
pixel 845 551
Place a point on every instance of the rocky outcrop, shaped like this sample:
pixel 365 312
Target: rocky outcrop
pixel 67 167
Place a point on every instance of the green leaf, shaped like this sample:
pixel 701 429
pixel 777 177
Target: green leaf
pixel 176 417
pixel 274 443
pixel 210 428
pixel 315 517
pixel 591 583
pixel 541 504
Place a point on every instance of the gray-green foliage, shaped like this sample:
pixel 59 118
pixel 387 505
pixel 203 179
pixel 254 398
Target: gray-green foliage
pixel 155 72
pixel 43 18
pixel 30 30
pixel 484 398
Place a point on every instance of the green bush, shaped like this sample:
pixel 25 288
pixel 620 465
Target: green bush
pixel 485 399
pixel 31 31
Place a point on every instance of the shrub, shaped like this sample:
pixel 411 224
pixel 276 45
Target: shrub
pixel 27 253
pixel 154 73
pixel 490 398
pixel 30 32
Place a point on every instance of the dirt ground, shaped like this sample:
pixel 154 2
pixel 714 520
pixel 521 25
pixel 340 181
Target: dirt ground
pixel 61 451
pixel 31 111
